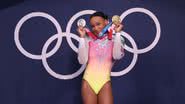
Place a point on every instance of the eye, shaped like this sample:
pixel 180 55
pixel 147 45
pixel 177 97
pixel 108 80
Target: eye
pixel 92 26
pixel 98 24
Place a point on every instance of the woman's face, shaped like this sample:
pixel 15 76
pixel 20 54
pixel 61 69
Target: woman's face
pixel 97 24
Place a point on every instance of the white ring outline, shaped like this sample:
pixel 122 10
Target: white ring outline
pixel 157 24
pixel 135 57
pixel 24 19
pixel 68 35
pixel 69 25
pixel 49 70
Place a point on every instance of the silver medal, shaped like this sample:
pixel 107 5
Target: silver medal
pixel 81 22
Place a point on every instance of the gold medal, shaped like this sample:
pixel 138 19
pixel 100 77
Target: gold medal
pixel 116 19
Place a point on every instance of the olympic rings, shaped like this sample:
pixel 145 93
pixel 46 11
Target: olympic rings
pixel 59 35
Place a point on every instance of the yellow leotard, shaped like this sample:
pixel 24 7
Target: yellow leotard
pixel 99 65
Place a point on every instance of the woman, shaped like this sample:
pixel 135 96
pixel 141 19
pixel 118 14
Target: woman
pixel 99 52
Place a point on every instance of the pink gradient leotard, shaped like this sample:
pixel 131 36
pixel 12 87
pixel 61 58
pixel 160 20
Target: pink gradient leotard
pixel 99 66
pixel 98 55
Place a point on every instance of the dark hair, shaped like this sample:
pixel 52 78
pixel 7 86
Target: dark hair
pixel 101 14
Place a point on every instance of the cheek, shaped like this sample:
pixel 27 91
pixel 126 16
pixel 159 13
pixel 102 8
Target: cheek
pixel 93 29
pixel 100 27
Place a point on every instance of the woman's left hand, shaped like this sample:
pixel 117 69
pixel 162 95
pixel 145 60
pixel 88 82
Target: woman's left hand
pixel 118 27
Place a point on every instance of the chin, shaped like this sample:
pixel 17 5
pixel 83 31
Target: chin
pixel 95 33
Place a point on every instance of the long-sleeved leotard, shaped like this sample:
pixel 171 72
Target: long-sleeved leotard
pixel 99 55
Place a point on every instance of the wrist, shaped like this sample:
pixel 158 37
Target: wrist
pixel 118 32
pixel 82 36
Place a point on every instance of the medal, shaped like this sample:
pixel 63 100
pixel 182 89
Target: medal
pixel 81 22
pixel 116 19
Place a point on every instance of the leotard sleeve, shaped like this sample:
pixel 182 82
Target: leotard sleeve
pixel 118 48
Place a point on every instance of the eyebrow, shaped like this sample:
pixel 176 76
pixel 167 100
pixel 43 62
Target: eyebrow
pixel 92 25
pixel 97 23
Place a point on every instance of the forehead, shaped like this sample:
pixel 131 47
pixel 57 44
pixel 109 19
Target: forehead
pixel 96 19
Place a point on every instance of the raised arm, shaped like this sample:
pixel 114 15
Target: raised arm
pixel 118 48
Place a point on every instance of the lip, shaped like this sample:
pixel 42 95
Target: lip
pixel 96 32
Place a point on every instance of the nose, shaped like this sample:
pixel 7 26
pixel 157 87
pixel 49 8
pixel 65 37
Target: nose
pixel 96 28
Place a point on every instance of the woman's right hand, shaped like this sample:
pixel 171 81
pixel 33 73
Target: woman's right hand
pixel 81 31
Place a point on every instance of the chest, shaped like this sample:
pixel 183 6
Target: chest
pixel 100 48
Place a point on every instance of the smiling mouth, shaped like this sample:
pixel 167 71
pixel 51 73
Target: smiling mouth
pixel 96 32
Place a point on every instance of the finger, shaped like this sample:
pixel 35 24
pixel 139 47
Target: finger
pixel 120 26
